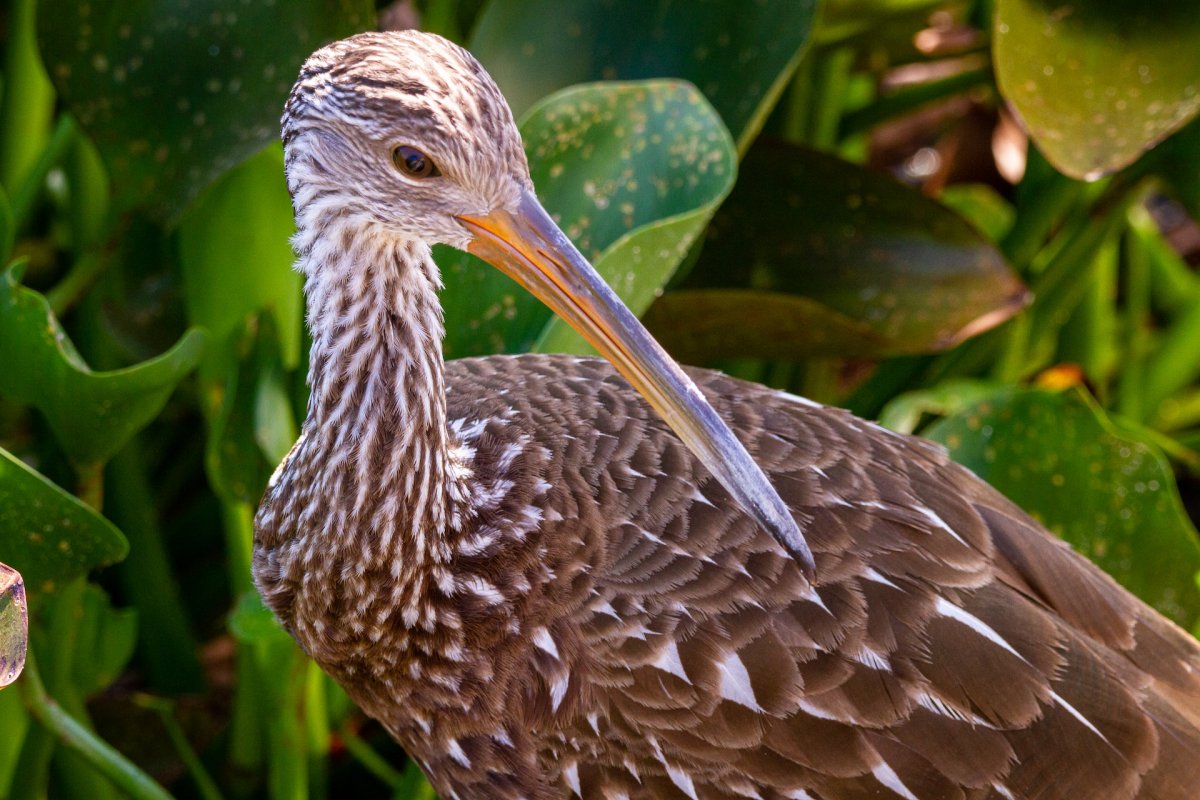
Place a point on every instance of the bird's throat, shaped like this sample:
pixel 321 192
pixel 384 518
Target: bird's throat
pixel 378 402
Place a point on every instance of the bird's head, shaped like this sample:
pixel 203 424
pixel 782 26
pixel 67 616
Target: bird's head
pixel 405 136
pixel 403 132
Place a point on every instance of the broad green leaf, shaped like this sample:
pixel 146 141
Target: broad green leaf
pixel 14 625
pixel 235 254
pixel 872 267
pixel 739 56
pixel 47 534
pixel 1110 494
pixel 92 413
pixel 697 326
pixel 176 93
pixel 1098 83
pixel 631 171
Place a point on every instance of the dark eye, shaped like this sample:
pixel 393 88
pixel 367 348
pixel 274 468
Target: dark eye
pixel 413 162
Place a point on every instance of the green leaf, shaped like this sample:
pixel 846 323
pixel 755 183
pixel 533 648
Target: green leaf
pixel 14 625
pixel 1099 83
pixel 631 171
pixel 175 94
pixel 47 534
pixel 92 413
pixel 739 57
pixel 841 260
pixel 233 247
pixel 1109 493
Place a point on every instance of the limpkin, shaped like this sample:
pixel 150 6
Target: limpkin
pixel 542 591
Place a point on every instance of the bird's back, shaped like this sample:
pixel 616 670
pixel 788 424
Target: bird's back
pixel 950 648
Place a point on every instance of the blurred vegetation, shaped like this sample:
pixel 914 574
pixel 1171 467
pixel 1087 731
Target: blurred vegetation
pixel 971 219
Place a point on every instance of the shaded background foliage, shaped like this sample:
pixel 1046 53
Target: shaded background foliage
pixel 971 219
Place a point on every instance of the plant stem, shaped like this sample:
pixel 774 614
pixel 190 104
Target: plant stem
pixel 375 764
pixel 205 785
pixel 31 184
pixel 122 772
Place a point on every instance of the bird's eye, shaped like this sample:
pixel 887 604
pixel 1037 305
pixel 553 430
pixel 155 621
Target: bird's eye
pixel 414 163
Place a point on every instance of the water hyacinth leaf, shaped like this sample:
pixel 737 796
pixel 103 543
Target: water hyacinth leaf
pixel 1108 493
pixel 175 94
pixel 631 172
pixel 14 625
pixel 234 251
pixel 697 325
pixel 92 413
pixel 1098 84
pixel 48 534
pixel 739 58
pixel 882 269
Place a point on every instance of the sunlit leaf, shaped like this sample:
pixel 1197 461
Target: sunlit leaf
pixel 92 413
pixel 632 172
pixel 739 57
pixel 1108 493
pixel 1098 83
pixel 236 257
pixel 48 534
pixel 14 625
pixel 176 93
pixel 846 261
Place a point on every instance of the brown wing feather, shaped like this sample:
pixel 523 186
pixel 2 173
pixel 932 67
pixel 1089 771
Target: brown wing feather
pixel 950 648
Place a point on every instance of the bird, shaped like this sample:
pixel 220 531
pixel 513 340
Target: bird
pixel 551 576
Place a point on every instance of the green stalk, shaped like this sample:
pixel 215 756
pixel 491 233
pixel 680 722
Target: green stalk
pixel 374 763
pixel 1088 337
pixel 205 785
pixel 316 718
pixel 1131 398
pixel 834 74
pixel 99 754
pixel 166 644
pixel 1036 217
pixel 910 98
pixel 28 101
pixel 35 176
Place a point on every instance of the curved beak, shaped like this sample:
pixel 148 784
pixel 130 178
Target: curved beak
pixel 527 246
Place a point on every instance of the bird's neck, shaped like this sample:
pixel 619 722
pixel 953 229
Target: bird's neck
pixel 378 405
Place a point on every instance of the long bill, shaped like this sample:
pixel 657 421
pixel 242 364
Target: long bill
pixel 529 247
